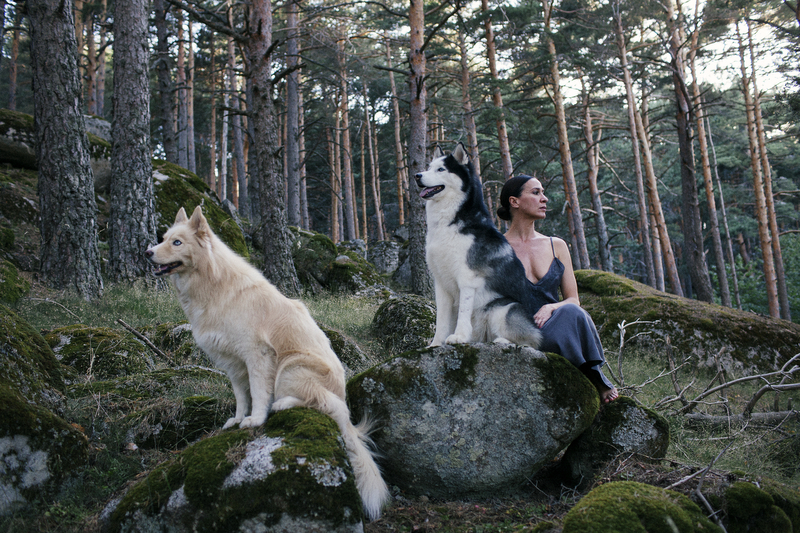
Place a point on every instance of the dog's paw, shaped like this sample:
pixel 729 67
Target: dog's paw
pixel 231 422
pixel 502 340
pixel 287 402
pixel 252 421
pixel 456 339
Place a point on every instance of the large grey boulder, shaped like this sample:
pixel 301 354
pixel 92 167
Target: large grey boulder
pixel 472 419
pixel 385 255
pixel 407 322
pixel 290 475
pixel 622 427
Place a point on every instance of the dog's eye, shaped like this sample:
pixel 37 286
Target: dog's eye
pixel 441 169
pixel 176 242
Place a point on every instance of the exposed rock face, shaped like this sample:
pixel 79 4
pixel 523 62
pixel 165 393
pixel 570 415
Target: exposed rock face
pixel 751 342
pixel 292 475
pixel 37 447
pixel 102 353
pixel 385 255
pixel 472 419
pixel 631 507
pixel 407 322
pixel 623 426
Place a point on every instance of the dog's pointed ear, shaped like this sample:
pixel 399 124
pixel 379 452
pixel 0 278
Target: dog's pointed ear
pixel 461 154
pixel 181 216
pixel 198 222
pixel 437 152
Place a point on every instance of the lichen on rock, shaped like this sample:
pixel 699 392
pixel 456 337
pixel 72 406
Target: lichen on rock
pixel 407 322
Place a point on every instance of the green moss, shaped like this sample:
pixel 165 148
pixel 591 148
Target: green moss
pixel 630 507
pixel 785 497
pixel 750 509
pixel 15 120
pixel 12 285
pixel 404 323
pixel 149 386
pixel 692 326
pixel 171 424
pixel 100 352
pixel 462 374
pixel 554 372
pixel 184 189
pixel 6 238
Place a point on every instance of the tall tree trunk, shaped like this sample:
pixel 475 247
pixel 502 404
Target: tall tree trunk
pixel 101 60
pixel 239 159
pixel 301 142
pixel 91 64
pixel 581 256
pixel 162 66
pixel 497 96
pixel 347 152
pixel 132 221
pixel 212 145
pixel 466 105
pixel 69 253
pixel 692 224
pixel 421 282
pixel 183 104
pixel 592 162
pixel 375 179
pixel 644 219
pixel 190 148
pixel 254 183
pixel 12 65
pixel 400 163
pixel 292 119
pixel 764 235
pixel 275 236
pixel 722 273
pixel 731 260
pixel 334 180
pixel 777 254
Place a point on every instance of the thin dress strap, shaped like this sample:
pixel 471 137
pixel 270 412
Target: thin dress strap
pixel 552 247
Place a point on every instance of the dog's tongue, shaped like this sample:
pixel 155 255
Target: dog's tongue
pixel 424 193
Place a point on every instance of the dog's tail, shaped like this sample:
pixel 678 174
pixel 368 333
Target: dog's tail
pixel 371 486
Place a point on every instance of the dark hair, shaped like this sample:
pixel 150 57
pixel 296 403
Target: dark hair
pixel 512 187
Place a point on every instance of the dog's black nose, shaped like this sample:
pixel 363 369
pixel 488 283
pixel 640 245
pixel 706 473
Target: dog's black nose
pixel 148 253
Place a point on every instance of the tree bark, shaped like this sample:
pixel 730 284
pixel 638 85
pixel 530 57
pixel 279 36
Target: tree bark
pixel 581 255
pixel 292 119
pixel 400 163
pixel 183 103
pixel 692 224
pixel 101 60
pixel 758 188
pixel 421 282
pixel 301 142
pixel 69 252
pixel 132 221
pixel 777 254
pixel 466 105
pixel 190 148
pixel 497 96
pixel 275 236
pixel 12 65
pixel 722 273
pixel 334 186
pixel 162 66
pixel 212 145
pixel 375 178
pixel 346 147
pixel 91 64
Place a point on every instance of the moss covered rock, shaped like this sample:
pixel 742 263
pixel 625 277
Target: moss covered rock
pixel 752 342
pixel 150 386
pixel 292 475
pixel 407 322
pixel 37 447
pixel 472 419
pixel 12 285
pixel 101 353
pixel 176 187
pixel 169 425
pixel 17 140
pixel 750 509
pixel 623 426
pixel 347 350
pixel 785 497
pixel 177 343
pixel 631 507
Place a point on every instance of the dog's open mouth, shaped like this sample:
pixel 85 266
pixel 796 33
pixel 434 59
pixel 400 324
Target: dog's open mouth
pixel 430 192
pixel 160 270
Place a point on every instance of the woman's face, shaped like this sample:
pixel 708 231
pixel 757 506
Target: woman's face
pixel 531 200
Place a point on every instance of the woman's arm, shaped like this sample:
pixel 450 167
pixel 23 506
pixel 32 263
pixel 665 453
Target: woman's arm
pixel 569 286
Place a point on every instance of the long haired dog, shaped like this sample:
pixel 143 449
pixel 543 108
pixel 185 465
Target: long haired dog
pixel 482 294
pixel 269 346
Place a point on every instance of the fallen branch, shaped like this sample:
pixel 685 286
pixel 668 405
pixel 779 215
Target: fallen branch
pixel 48 300
pixel 144 339
pixel 724 420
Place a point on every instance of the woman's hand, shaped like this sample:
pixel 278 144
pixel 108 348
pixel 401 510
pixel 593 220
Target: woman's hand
pixel 544 314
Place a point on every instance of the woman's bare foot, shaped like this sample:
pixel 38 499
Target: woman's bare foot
pixel 608 395
pixel 608 392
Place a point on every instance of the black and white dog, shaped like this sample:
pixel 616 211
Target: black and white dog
pixel 482 294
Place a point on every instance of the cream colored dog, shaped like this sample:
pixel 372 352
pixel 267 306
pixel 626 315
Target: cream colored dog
pixel 269 346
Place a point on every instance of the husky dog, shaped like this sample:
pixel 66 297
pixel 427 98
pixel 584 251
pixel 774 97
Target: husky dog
pixel 269 346
pixel 482 294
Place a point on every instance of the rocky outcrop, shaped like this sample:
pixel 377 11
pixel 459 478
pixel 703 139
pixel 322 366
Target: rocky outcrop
pixel 385 255
pixel 749 342
pixel 621 427
pixel 631 506
pixel 176 187
pixel 292 475
pixel 38 448
pixel 100 353
pixel 12 285
pixel 472 419
pixel 749 509
pixel 407 322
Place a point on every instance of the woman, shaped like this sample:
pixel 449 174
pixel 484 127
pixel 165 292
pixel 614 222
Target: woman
pixel 566 328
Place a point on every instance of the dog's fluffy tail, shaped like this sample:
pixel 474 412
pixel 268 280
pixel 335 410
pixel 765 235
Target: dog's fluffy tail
pixel 371 486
